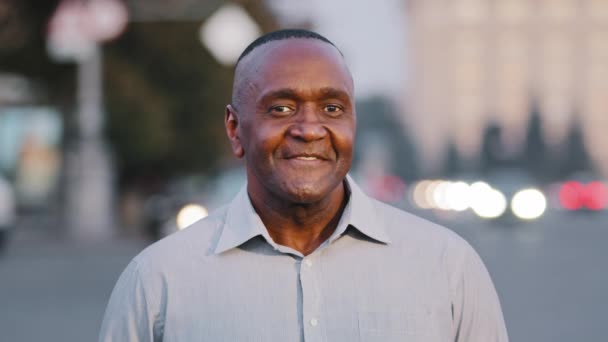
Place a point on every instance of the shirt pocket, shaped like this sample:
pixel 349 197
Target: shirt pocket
pixel 392 326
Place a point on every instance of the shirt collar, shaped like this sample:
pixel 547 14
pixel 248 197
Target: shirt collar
pixel 361 214
pixel 242 223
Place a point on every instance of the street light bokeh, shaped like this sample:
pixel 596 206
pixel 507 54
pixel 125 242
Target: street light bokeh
pixel 227 32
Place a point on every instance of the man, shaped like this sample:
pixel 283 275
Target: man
pixel 301 254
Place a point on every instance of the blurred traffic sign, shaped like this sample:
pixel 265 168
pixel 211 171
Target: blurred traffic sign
pixel 77 26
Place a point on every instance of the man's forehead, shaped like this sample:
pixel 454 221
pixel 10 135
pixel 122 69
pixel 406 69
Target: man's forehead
pixel 275 54
pixel 275 60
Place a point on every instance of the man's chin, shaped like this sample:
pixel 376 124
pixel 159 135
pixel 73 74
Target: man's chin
pixel 308 191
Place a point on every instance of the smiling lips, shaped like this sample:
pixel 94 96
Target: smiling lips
pixel 311 154
pixel 306 157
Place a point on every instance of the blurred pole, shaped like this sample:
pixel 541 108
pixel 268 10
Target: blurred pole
pixel 90 186
pixel 75 32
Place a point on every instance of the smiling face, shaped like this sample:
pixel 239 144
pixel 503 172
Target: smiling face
pixel 293 120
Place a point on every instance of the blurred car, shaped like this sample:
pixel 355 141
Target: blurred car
pixel 189 199
pixel 507 196
pixel 524 196
pixel 581 193
pixel 8 211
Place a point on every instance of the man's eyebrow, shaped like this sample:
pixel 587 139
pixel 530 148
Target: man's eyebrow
pixel 284 93
pixel 334 93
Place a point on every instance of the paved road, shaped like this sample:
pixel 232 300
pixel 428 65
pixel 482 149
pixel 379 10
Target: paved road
pixel 552 277
pixel 57 291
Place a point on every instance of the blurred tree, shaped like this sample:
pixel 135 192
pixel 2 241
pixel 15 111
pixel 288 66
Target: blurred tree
pixel 377 116
pixel 573 153
pixel 491 148
pixel 535 156
pixel 543 163
pixel 14 31
pixel 165 101
pixel 164 93
pixel 23 49
pixel 166 96
pixel 452 164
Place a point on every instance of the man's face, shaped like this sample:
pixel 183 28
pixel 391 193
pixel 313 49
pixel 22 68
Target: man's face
pixel 296 120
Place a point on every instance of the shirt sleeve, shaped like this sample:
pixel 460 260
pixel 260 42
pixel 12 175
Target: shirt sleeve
pixel 476 308
pixel 130 315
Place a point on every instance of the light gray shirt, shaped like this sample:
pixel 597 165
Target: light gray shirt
pixel 384 275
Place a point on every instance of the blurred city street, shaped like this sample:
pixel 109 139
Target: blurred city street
pixel 56 290
pixel 550 274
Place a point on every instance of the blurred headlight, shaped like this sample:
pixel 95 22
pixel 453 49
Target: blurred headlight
pixel 440 195
pixel 529 204
pixel 419 194
pixel 458 196
pixel 486 201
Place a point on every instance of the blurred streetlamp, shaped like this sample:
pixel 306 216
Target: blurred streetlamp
pixel 228 32
pixel 74 34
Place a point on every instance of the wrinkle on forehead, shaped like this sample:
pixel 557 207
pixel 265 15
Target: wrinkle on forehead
pixel 248 69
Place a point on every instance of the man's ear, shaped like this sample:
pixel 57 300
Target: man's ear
pixel 231 122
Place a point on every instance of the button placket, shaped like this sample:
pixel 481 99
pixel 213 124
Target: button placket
pixel 311 300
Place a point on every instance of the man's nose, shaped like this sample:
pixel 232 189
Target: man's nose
pixel 308 125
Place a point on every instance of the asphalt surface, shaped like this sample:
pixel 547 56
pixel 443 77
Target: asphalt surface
pixel 551 275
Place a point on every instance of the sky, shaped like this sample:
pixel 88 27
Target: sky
pixel 374 45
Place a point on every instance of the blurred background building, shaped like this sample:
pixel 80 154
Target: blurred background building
pixel 476 63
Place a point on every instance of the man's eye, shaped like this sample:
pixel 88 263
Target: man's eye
pixel 281 110
pixel 333 109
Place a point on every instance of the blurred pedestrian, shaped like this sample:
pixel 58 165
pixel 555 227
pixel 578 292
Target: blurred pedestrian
pixel 301 253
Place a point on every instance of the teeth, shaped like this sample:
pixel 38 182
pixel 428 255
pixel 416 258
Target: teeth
pixel 307 158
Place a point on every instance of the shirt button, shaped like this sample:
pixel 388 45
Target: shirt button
pixel 314 322
pixel 308 262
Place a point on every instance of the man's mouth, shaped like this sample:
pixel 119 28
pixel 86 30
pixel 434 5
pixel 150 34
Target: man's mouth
pixel 307 158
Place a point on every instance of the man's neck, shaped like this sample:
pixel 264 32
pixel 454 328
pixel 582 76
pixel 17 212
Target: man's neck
pixel 302 227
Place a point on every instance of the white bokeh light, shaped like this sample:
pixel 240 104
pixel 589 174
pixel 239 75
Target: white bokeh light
pixel 458 196
pixel 440 195
pixel 429 194
pixel 529 204
pixel 189 214
pixel 419 194
pixel 487 202
pixel 228 32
